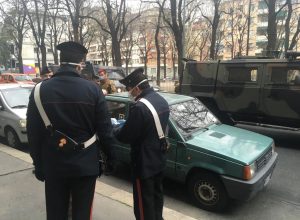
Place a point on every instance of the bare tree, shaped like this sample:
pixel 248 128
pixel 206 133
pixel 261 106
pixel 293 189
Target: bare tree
pixel 57 26
pixel 75 10
pixel 157 46
pixel 37 17
pixel 292 25
pixel 173 13
pixel 214 22
pixel 272 26
pixel 15 26
pixel 165 45
pixel 118 19
pixel 237 20
pixel 127 45
pixel 145 44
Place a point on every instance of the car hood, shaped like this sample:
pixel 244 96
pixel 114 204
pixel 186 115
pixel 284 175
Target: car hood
pixel 20 112
pixel 231 142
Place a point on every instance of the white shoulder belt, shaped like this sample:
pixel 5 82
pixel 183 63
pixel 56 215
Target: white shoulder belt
pixel 155 116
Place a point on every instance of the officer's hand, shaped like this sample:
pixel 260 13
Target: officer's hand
pixel 104 91
pixel 39 174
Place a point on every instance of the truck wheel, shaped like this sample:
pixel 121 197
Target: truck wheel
pixel 12 138
pixel 208 192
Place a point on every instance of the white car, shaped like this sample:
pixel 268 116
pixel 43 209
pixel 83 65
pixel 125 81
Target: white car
pixel 14 100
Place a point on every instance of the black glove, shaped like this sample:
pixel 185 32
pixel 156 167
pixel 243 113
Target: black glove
pixel 39 174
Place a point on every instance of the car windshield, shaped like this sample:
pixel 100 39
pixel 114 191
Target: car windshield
pixel 191 116
pixel 17 97
pixel 22 78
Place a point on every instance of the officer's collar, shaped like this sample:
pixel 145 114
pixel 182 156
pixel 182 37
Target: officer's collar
pixel 144 92
pixel 67 70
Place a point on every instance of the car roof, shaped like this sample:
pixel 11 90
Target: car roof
pixel 14 74
pixel 14 85
pixel 171 98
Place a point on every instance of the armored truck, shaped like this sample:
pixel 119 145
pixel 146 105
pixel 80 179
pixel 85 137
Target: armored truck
pixel 253 90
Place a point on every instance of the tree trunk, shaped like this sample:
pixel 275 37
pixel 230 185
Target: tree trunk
pixel 215 25
pixel 157 50
pixel 287 25
pixel 272 27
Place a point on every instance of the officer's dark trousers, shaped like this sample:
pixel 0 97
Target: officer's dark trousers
pixel 58 191
pixel 148 198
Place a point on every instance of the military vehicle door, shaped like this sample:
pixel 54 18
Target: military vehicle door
pixel 281 92
pixel 238 88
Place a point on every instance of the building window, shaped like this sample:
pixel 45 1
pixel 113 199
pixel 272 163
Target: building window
pixel 35 49
pixel 49 50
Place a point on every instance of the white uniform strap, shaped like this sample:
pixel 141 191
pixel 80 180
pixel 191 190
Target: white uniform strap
pixel 155 116
pixel 38 102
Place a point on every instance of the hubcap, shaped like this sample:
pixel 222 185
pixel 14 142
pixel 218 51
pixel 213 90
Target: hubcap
pixel 207 192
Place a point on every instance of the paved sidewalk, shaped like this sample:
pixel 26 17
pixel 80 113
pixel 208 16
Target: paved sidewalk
pixel 22 196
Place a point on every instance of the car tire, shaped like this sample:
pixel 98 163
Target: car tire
pixel 12 138
pixel 208 192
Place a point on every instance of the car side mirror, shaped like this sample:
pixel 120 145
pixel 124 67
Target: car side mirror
pixel 1 108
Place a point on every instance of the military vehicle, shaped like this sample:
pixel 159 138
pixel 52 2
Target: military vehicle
pixel 253 90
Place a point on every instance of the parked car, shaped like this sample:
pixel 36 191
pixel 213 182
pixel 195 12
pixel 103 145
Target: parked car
pixel 14 99
pixel 15 78
pixel 217 162
pixel 254 90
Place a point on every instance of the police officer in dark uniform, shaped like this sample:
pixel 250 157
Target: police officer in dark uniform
pixel 77 108
pixel 148 159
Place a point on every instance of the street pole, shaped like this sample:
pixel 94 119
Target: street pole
pixel 248 31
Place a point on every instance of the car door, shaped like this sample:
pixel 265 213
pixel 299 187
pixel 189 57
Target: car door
pixel 172 137
pixel 281 94
pixel 238 89
pixel 2 115
pixel 119 110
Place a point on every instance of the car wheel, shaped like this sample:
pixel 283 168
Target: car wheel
pixel 208 192
pixel 12 138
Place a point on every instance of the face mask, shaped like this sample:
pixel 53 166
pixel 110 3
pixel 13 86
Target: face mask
pixel 101 78
pixel 131 97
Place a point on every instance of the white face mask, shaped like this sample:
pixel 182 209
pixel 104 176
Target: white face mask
pixel 131 97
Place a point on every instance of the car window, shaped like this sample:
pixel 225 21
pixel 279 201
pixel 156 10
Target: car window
pixel 283 75
pixel 17 97
pixel 116 109
pixel 191 116
pixel 242 74
pixel 22 78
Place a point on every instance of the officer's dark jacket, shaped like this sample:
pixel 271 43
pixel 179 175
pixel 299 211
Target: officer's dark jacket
pixel 140 132
pixel 78 108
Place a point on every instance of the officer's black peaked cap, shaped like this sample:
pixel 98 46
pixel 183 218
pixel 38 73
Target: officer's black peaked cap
pixel 134 78
pixel 71 51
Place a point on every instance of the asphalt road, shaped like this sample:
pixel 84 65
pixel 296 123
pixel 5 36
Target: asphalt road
pixel 279 200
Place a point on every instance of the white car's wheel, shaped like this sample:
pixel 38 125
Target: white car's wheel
pixel 12 138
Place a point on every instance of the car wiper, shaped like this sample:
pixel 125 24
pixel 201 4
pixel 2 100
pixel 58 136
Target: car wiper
pixel 19 106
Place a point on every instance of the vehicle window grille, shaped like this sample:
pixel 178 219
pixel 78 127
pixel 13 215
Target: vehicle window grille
pixel 264 159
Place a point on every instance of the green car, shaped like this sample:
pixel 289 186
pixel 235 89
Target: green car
pixel 217 162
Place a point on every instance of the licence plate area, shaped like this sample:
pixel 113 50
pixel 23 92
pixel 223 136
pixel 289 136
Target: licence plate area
pixel 267 180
